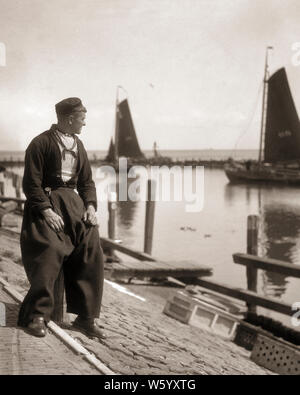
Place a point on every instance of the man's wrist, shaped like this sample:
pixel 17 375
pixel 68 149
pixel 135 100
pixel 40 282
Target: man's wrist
pixel 46 210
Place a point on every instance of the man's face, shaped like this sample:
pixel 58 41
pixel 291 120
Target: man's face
pixel 78 121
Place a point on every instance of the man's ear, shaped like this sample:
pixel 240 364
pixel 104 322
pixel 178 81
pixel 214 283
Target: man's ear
pixel 71 119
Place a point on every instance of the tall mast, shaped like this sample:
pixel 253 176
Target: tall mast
pixel 116 150
pixel 264 107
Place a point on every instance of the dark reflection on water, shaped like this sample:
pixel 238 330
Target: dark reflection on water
pixel 279 229
pixel 125 214
pixel 234 193
pixel 126 210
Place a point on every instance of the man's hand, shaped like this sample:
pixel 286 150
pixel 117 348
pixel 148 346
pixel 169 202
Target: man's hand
pixel 89 217
pixel 53 220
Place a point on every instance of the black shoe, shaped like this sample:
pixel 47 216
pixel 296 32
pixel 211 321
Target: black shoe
pixel 37 327
pixel 89 328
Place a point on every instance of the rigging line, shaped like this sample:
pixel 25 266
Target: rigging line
pixel 123 89
pixel 250 117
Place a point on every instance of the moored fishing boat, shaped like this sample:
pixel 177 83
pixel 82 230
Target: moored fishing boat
pixel 279 151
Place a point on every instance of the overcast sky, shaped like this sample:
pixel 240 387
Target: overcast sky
pixel 192 68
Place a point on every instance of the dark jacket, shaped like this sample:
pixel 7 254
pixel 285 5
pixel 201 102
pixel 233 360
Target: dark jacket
pixel 43 169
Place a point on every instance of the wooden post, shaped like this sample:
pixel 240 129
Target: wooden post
pixel 2 314
pixel 112 199
pixel 149 221
pixel 59 292
pixel 252 248
pixel 2 185
pixel 112 206
pixel 18 190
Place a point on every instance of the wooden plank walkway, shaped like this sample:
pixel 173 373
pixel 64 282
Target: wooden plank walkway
pixel 149 266
pixel 159 269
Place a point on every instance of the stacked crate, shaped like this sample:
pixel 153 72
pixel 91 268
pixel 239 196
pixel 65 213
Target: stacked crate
pixel 200 314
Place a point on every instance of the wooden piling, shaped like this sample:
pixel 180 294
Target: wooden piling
pixel 112 199
pixel 149 221
pixel 112 206
pixel 18 190
pixel 252 249
pixel 2 184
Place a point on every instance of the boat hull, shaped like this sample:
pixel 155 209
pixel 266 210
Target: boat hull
pixel 239 174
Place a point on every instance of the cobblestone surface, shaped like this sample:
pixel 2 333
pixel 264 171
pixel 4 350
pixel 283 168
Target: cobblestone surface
pixel 141 339
pixel 22 354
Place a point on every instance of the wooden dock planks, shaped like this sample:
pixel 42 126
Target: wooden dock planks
pixel 149 266
pixel 159 269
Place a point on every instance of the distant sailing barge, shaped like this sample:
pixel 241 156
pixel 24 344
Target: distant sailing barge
pixel 279 151
pixel 125 143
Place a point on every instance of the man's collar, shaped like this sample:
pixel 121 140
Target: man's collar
pixel 65 134
pixel 54 128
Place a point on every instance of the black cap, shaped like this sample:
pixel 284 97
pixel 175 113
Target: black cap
pixel 69 106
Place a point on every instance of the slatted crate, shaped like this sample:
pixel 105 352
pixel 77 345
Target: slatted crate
pixel 179 308
pixel 276 355
pixel 200 314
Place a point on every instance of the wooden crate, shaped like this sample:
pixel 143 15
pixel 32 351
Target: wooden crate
pixel 200 314
pixel 178 311
pixel 208 317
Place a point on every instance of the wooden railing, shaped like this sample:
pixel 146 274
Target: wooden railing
pixel 271 265
pixel 252 263
pixel 251 298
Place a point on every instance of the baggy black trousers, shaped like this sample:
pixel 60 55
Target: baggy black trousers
pixel 44 253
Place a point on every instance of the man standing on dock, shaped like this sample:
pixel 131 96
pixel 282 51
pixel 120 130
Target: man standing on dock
pixel 59 229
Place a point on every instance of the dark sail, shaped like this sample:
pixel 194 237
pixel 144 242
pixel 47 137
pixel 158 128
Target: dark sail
pixel 128 143
pixel 111 152
pixel 282 136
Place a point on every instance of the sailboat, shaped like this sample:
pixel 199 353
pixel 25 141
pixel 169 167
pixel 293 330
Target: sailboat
pixel 125 142
pixel 279 150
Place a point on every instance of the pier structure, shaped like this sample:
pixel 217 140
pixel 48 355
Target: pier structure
pixel 159 161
